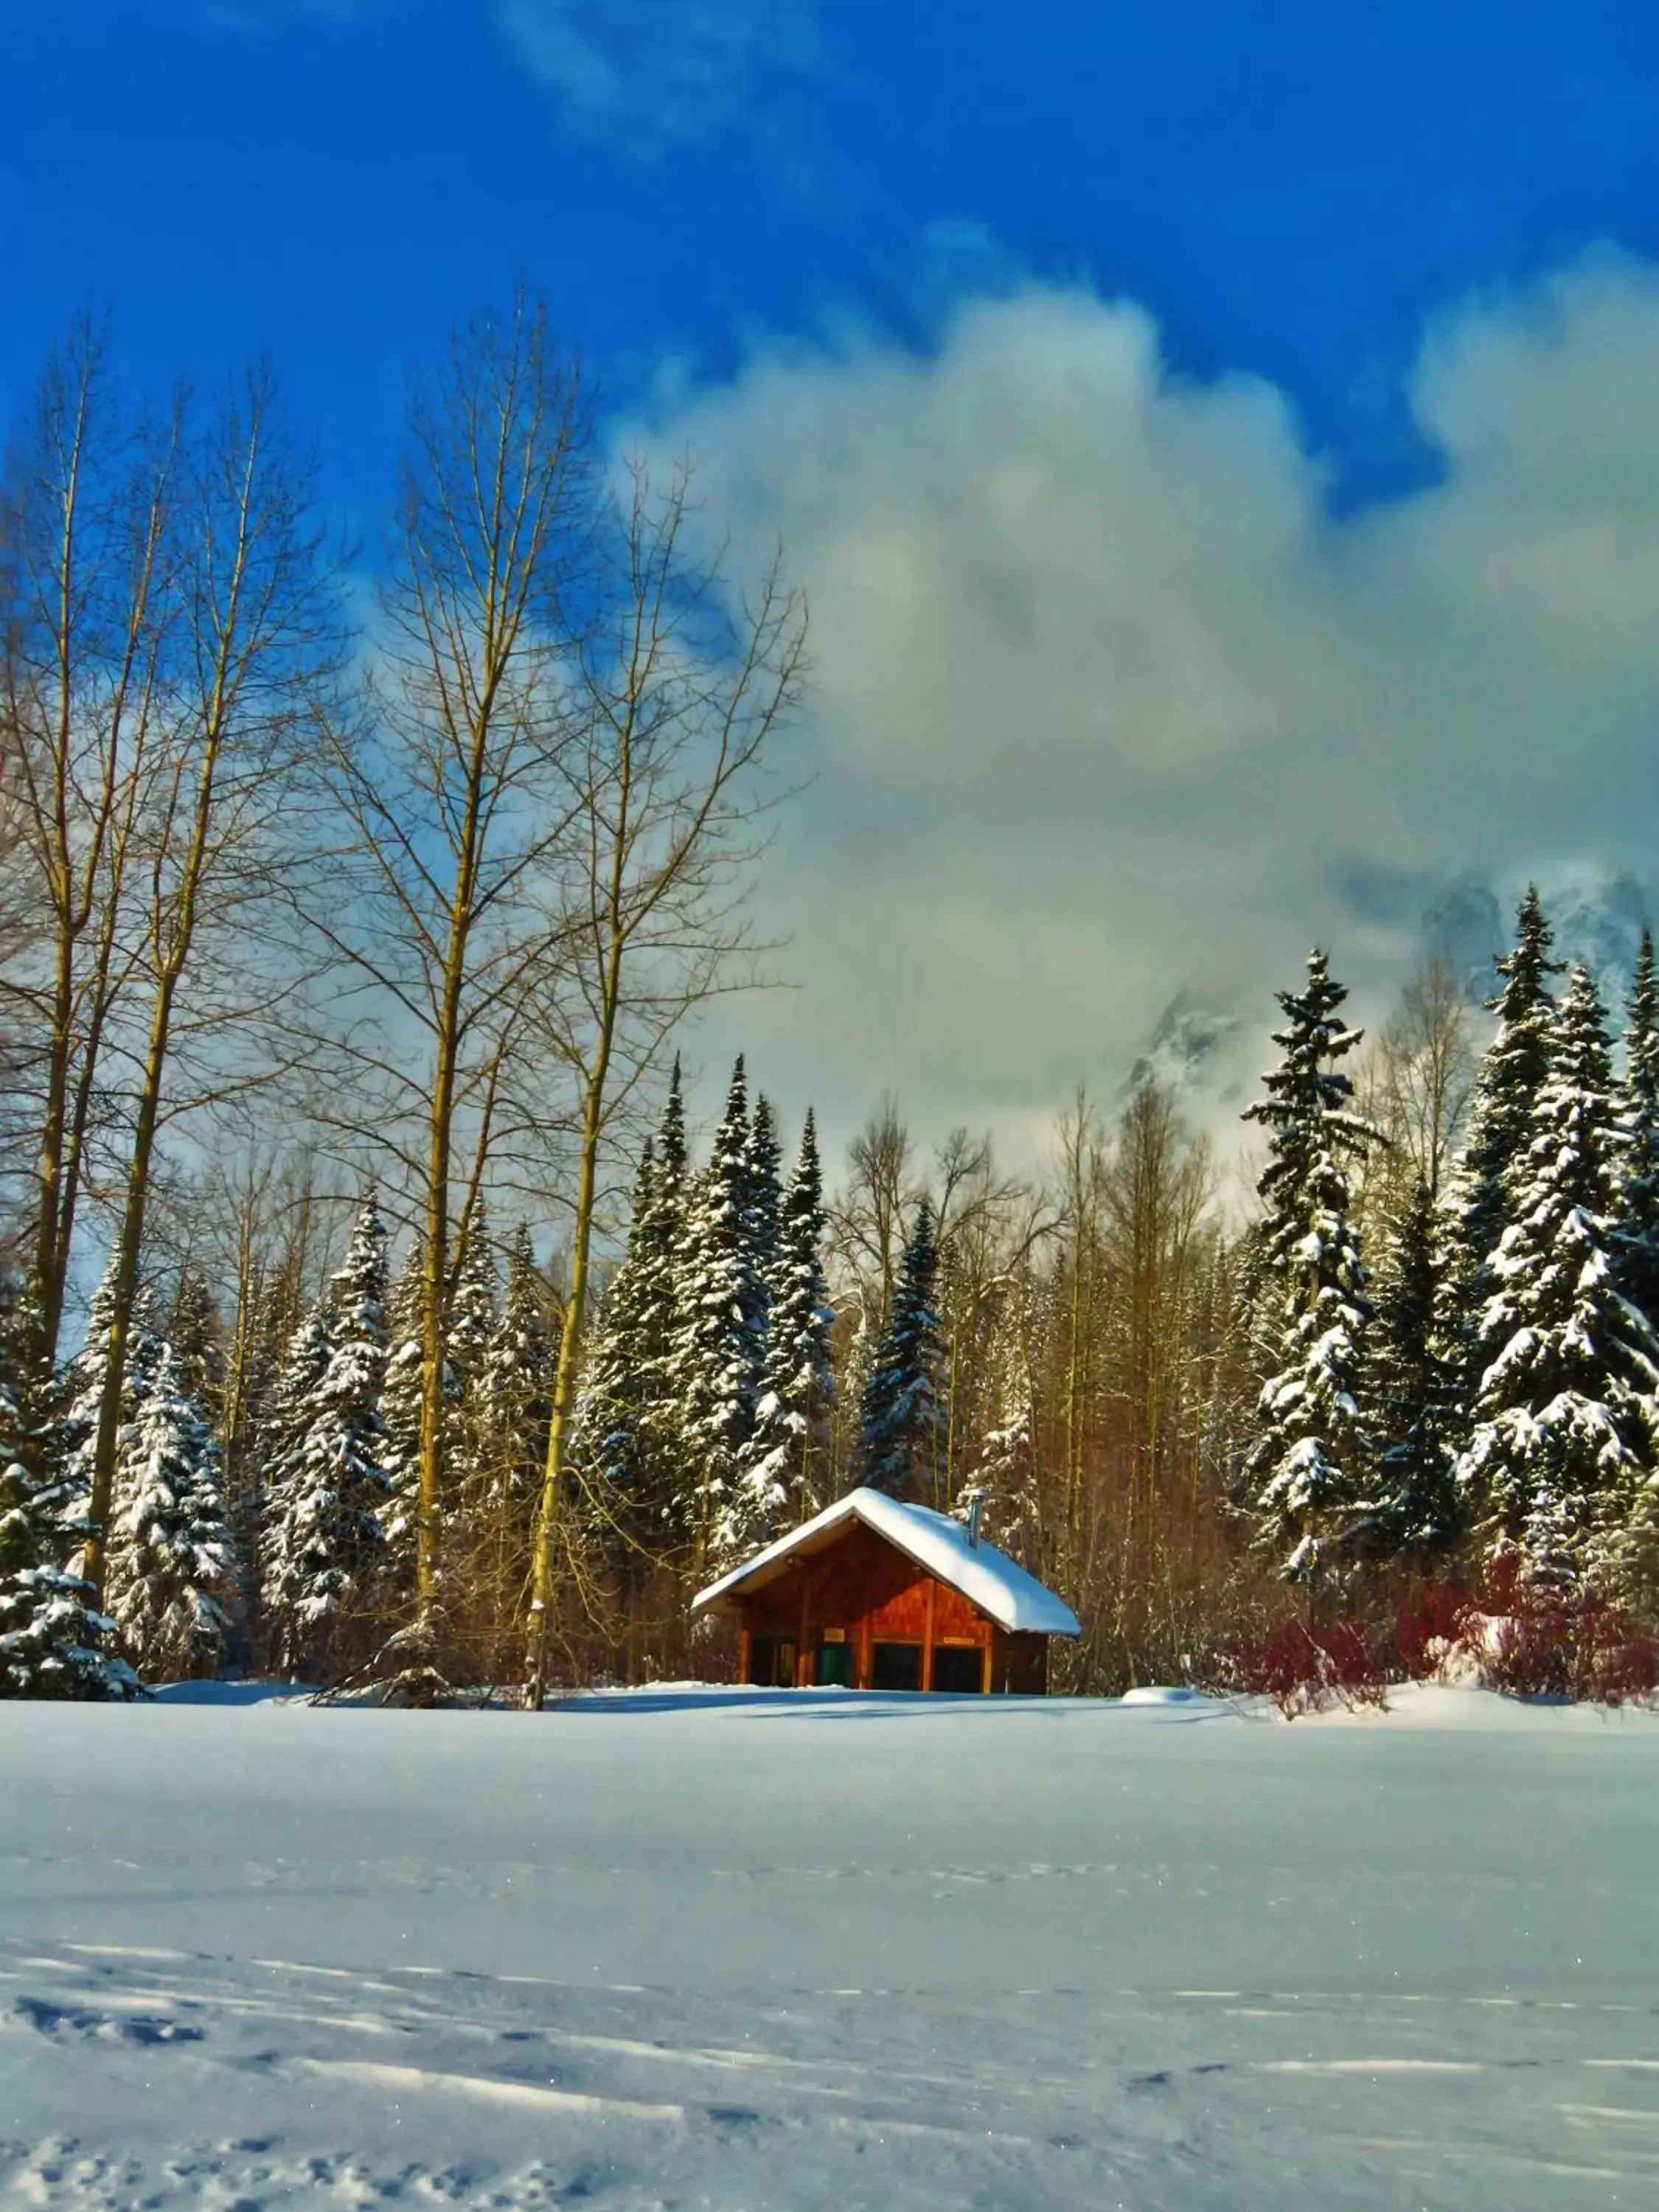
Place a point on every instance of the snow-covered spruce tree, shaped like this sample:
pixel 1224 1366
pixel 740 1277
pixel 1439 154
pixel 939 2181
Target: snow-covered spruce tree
pixel 638 1494
pixel 764 1206
pixel 1413 1390
pixel 1304 1476
pixel 665 1499
pixel 194 1334
pixel 282 1448
pixel 400 1413
pixel 1637 1233
pixel 517 1383
pixel 786 1479
pixel 673 1159
pixel 470 1329
pixel 82 1393
pixel 53 1644
pixel 473 1309
pixel 359 1304
pixel 1565 1424
pixel 172 1568
pixel 720 1349
pixel 331 1490
pixel 900 1419
pixel 610 1449
pixel 1501 1116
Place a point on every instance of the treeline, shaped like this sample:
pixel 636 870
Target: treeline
pixel 334 958
pixel 1482 1411
pixel 1422 1368
pixel 424 878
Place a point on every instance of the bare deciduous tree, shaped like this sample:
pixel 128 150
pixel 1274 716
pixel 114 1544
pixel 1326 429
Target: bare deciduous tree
pixel 1428 1050
pixel 678 692
pixel 91 526
pixel 451 791
pixel 251 634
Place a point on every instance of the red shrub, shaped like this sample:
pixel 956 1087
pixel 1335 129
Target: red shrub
pixel 1433 1624
pixel 1532 1643
pixel 1304 1669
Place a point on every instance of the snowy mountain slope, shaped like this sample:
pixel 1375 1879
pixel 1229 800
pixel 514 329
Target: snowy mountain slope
pixel 1597 920
pixel 1191 1049
pixel 1210 1056
pixel 776 1950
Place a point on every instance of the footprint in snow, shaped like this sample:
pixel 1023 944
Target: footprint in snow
pixel 68 2024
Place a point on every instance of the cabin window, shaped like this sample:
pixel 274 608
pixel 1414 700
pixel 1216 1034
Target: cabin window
pixel 895 1666
pixel 835 1665
pixel 958 1668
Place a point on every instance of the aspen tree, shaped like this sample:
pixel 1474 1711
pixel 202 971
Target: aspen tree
pixel 256 619
pixel 682 686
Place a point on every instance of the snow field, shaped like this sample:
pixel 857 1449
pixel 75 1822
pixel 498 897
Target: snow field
pixel 750 1950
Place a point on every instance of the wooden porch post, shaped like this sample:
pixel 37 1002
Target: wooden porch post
pixel 927 1637
pixel 742 1655
pixel 801 1680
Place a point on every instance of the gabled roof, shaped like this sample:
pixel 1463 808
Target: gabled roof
pixel 985 1577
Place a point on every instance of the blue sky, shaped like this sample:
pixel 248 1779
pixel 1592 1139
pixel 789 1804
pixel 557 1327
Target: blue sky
pixel 1338 274
pixel 1291 186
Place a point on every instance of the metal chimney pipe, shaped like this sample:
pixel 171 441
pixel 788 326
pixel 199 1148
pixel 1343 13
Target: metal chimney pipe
pixel 976 1508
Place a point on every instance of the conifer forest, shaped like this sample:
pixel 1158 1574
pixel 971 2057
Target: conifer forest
pixel 386 1307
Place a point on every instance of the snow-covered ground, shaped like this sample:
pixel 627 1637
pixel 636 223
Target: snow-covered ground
pixel 764 1949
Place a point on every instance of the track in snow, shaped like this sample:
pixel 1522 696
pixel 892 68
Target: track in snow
pixel 197 2010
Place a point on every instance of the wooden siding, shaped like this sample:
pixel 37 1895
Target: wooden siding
pixel 863 1591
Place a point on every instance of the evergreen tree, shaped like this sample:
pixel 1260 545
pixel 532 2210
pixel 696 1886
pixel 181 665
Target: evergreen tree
pixel 82 1394
pixel 299 1543
pixel 53 1644
pixel 1304 1473
pixel 664 1495
pixel 518 1382
pixel 283 1448
pixel 1638 1234
pixel 763 1207
pixel 195 1336
pixel 899 1420
pixel 786 1479
pixel 720 1347
pixel 473 1311
pixel 673 1155
pixel 400 1413
pixel 172 1570
pixel 790 1465
pixel 473 1316
pixel 1566 1425
pixel 1413 1391
pixel 610 1449
pixel 330 1488
pixel 1501 1113
pixel 271 1307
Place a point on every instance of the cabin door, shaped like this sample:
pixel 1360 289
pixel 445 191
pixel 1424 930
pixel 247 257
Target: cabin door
pixel 772 1662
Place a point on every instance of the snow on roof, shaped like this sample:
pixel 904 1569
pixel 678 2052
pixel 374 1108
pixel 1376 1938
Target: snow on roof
pixel 985 1577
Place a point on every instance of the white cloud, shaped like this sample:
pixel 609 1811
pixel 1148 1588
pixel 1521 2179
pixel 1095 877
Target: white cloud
pixel 1108 702
pixel 643 73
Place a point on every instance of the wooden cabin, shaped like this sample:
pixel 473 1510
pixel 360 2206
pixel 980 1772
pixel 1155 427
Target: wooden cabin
pixel 875 1595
